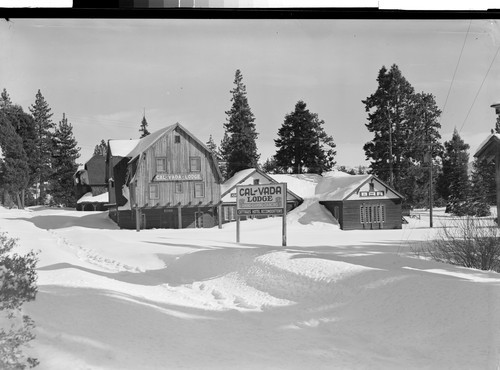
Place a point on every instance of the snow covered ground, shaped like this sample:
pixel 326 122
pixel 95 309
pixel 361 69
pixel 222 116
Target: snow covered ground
pixel 195 299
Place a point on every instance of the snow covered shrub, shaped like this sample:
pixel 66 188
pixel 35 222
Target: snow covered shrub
pixel 469 242
pixel 17 285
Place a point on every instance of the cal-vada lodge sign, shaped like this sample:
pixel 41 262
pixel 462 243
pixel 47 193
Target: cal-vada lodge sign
pixel 255 200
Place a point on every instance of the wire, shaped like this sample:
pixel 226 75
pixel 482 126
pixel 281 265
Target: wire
pixel 456 67
pixel 480 87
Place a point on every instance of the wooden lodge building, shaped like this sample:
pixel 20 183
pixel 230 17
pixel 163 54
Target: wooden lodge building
pixel 489 150
pixel 250 176
pixel 361 202
pixel 168 179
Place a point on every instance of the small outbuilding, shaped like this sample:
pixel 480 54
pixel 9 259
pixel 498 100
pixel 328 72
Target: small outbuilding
pixel 361 202
pixel 90 185
pixel 250 176
pixel 490 150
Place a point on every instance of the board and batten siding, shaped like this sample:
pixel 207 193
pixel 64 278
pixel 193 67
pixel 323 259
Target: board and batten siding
pixel 177 157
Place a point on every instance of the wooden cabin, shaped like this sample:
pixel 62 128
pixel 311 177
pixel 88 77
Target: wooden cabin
pixel 361 202
pixel 90 184
pixel 490 150
pixel 168 179
pixel 250 176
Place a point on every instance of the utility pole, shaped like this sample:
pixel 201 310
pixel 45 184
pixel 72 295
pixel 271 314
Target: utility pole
pixel 391 174
pixel 431 193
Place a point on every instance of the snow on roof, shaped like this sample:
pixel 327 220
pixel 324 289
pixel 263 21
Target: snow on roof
pixel 236 179
pixel 339 187
pixel 303 185
pixel 120 148
pixel 89 198
pixel 485 142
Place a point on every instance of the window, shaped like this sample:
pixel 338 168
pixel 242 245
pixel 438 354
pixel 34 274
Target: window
pixel 154 191
pixel 178 187
pixel 372 214
pixel 161 164
pixel 195 164
pixel 198 217
pixel 177 139
pixel 229 213
pixel 256 181
pixel 199 190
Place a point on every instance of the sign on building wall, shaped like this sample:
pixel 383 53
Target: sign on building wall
pixel 178 177
pixel 266 199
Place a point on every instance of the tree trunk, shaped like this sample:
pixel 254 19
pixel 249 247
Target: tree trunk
pixel 23 197
pixel 19 202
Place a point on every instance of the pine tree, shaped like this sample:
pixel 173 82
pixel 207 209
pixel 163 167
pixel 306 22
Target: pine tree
pixel 238 148
pixel 482 190
pixel 43 142
pixel 386 117
pixel 14 170
pixel 453 183
pixel 271 166
pixel 65 154
pixel 101 148
pixel 213 147
pixel 497 125
pixel 303 145
pixel 144 127
pixel 5 101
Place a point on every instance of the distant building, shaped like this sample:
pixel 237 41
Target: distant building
pixel 168 179
pixel 490 150
pixel 250 176
pixel 91 184
pixel 361 202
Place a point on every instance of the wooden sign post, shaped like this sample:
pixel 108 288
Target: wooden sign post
pixel 261 200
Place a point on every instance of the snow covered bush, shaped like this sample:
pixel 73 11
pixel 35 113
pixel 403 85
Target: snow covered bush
pixel 17 285
pixel 469 242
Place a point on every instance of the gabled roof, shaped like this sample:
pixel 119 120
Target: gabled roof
pixel 341 188
pixel 120 148
pixel 488 147
pixel 146 142
pixel 242 175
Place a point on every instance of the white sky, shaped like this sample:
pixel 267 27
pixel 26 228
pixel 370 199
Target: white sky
pixel 103 73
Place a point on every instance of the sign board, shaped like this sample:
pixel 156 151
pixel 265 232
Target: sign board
pixel 260 196
pixel 261 200
pixel 371 193
pixel 178 177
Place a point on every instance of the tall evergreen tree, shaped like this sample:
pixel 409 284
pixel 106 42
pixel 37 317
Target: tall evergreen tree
pixel 453 183
pixel 43 142
pixel 386 119
pixel 238 148
pixel 144 127
pixel 14 170
pixel 213 147
pixel 303 145
pixel 101 148
pixel 482 190
pixel 65 154
pixel 24 127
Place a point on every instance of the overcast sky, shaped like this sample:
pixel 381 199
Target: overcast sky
pixel 104 73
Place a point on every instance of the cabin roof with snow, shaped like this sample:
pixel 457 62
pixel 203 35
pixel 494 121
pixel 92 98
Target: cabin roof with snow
pixel 488 147
pixel 120 148
pixel 339 188
pixel 242 175
pixel 303 185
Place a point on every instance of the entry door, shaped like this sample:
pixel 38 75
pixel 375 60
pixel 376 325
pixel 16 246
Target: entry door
pixel 198 216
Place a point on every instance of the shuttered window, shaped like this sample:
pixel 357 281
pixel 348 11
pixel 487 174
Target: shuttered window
pixel 161 164
pixel 195 164
pixel 372 214
pixel 199 190
pixel 178 187
pixel 153 191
